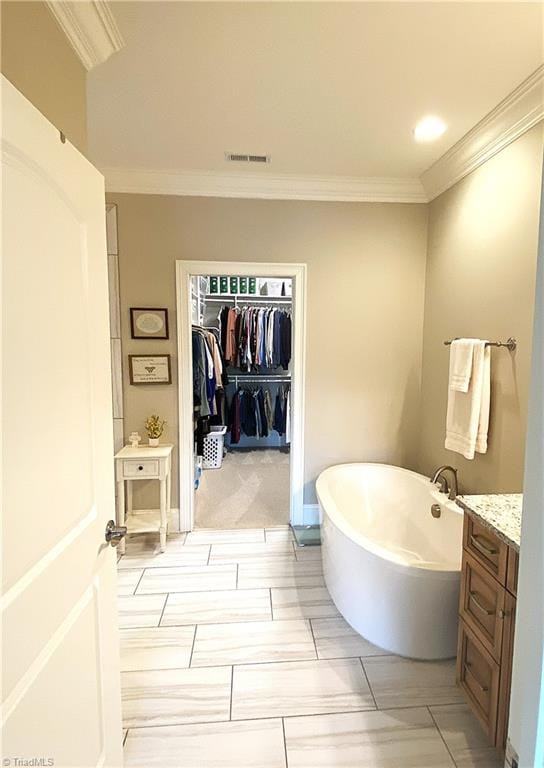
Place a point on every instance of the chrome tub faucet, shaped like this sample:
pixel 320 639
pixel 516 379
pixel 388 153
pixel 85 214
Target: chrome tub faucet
pixel 452 488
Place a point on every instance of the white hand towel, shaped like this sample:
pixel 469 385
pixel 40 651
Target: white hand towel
pixel 461 354
pixel 467 420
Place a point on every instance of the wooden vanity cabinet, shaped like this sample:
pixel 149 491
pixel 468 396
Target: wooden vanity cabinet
pixel 487 609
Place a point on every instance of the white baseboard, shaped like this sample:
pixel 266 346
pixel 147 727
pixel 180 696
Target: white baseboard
pixel 311 515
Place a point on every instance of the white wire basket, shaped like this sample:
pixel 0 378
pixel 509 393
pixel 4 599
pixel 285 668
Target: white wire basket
pixel 212 455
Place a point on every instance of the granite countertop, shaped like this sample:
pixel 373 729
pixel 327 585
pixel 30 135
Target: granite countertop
pixel 500 512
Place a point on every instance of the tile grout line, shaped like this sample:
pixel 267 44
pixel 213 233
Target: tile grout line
pixel 313 638
pixel 284 742
pixel 163 607
pixel 192 648
pixel 428 708
pixel 366 710
pixel 253 621
pixel 275 661
pixel 231 688
pixel 138 584
pixel 368 682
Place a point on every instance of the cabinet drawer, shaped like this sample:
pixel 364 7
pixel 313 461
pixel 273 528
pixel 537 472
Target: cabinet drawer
pixel 143 468
pixel 486 548
pixel 478 675
pixel 483 605
pixel 512 571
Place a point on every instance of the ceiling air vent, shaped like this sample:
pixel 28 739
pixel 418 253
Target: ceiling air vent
pixel 235 157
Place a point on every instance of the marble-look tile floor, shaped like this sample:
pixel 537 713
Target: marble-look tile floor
pixel 233 655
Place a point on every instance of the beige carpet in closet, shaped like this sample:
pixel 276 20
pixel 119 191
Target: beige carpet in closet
pixel 251 490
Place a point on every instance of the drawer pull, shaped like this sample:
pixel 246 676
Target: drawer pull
pixel 483 688
pixel 474 596
pixel 140 467
pixel 483 544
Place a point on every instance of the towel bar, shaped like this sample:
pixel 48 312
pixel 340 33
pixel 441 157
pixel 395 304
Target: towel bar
pixel 511 343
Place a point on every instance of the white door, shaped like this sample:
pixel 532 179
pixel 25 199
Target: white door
pixel 61 690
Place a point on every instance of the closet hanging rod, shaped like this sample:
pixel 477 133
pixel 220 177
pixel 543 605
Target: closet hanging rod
pixel 511 343
pixel 259 378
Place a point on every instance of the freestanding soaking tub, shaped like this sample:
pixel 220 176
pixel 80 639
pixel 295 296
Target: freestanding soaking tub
pixel 392 569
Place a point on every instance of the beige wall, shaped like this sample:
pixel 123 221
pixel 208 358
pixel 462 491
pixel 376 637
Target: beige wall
pixel 481 269
pixel 39 61
pixel 366 266
pixel 366 284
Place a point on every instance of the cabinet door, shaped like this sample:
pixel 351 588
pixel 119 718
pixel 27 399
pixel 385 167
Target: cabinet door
pixel 482 605
pixel 506 670
pixel 478 674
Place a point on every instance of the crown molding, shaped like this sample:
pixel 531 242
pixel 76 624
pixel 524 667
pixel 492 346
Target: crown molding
pixel 90 27
pixel 516 114
pixel 510 119
pixel 264 186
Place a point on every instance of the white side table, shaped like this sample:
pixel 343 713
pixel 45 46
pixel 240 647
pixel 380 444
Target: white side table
pixel 145 463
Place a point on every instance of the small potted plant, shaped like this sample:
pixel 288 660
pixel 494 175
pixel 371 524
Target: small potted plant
pixel 154 427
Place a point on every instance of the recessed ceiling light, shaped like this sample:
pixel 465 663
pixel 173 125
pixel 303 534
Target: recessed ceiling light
pixel 429 128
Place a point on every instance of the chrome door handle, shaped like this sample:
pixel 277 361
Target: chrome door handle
pixel 114 533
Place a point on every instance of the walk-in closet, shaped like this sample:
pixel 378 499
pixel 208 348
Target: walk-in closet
pixel 242 329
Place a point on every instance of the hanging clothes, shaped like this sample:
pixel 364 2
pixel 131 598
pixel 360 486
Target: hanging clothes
pixel 278 413
pixel 248 418
pixel 268 408
pixel 209 378
pixel 285 340
pixel 255 338
pixel 288 417
pixel 235 423
pixel 265 423
pixel 251 413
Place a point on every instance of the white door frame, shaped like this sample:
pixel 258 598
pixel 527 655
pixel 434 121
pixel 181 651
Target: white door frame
pixel 184 271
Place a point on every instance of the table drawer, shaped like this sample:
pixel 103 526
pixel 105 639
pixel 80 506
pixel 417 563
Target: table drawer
pixel 483 605
pixel 486 548
pixel 143 468
pixel 479 675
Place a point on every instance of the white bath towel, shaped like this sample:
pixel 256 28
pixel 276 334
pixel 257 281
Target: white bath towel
pixel 467 420
pixel 461 354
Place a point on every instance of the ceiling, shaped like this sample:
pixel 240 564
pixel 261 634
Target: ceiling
pixel 325 88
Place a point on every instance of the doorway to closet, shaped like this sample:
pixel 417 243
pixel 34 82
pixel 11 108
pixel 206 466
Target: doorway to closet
pixel 241 368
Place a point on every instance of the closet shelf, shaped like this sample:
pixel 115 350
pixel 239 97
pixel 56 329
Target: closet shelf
pixel 249 299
